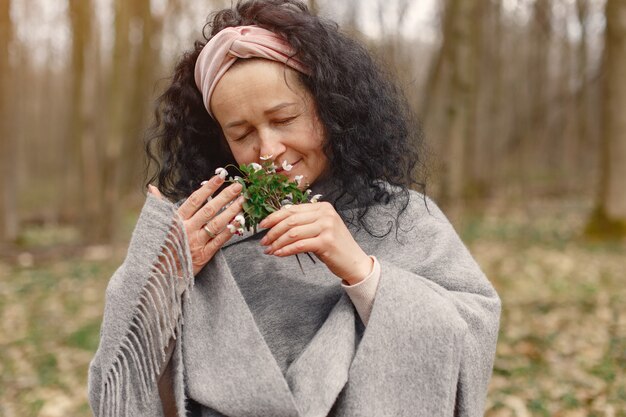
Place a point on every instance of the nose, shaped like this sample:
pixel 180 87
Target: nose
pixel 271 143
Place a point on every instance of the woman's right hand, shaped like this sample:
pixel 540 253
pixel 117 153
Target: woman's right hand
pixel 198 215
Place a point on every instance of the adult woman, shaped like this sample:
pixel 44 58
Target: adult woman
pixel 409 328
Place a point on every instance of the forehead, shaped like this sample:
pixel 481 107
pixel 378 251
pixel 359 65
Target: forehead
pixel 256 84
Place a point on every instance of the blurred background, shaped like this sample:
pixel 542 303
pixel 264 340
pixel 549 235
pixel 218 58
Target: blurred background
pixel 523 106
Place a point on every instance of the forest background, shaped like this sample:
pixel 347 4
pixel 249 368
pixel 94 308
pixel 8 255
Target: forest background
pixel 523 108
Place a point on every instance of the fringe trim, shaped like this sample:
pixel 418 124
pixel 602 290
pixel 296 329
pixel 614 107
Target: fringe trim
pixel 156 319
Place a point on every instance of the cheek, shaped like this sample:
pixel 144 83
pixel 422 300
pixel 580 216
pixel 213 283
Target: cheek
pixel 316 153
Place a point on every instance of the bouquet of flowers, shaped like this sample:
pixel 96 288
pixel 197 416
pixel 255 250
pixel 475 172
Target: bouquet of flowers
pixel 265 191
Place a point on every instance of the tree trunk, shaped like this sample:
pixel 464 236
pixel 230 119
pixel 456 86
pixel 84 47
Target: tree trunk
pixel 82 167
pixel 141 96
pixel 583 132
pixel 610 214
pixel 609 217
pixel 117 115
pixel 471 187
pixel 491 129
pixel 460 101
pixel 559 149
pixel 536 132
pixel 614 111
pixel 436 67
pixel 8 160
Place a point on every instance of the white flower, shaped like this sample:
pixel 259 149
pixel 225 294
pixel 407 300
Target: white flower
pixel 308 191
pixel 271 168
pixel 240 231
pixel 298 178
pixel 315 198
pixel 286 166
pixel 256 166
pixel 266 157
pixel 231 228
pixel 240 219
pixel 221 172
pixel 289 196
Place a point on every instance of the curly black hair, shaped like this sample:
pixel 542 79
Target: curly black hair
pixel 371 133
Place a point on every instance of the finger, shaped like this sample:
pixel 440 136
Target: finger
pixel 154 191
pixel 199 197
pixel 205 253
pixel 301 246
pixel 293 220
pixel 211 209
pixel 285 212
pixel 208 232
pixel 213 245
pixel 218 223
pixel 295 234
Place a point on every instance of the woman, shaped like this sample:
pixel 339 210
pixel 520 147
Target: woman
pixel 396 319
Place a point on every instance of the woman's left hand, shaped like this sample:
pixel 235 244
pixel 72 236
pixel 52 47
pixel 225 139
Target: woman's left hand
pixel 317 228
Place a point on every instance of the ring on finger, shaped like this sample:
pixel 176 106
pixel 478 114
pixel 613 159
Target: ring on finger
pixel 208 231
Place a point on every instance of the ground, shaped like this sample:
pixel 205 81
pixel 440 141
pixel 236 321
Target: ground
pixel 561 350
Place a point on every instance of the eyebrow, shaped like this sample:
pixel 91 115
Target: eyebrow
pixel 268 111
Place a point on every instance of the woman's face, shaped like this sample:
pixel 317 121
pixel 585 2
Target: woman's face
pixel 261 114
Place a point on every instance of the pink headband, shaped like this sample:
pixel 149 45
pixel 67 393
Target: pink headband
pixel 231 43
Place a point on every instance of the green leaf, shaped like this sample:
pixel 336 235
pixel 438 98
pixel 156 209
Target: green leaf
pixel 264 190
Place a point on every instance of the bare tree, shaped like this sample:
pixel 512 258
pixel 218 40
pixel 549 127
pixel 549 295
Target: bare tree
pixel 583 131
pixel 144 67
pixel 457 87
pixel 535 132
pixel 490 129
pixel 436 68
pixel 116 132
pixel 8 163
pixel 81 171
pixel 610 213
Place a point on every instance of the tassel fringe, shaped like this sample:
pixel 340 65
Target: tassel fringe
pixel 156 319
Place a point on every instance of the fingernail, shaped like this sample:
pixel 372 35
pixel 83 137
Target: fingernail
pixel 268 251
pixel 237 187
pixel 204 182
pixel 218 179
pixel 241 199
pixel 263 223
pixel 264 241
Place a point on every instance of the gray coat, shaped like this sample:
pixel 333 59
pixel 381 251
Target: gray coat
pixel 428 348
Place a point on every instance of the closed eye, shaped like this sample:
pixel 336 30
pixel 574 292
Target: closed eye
pixel 285 121
pixel 242 137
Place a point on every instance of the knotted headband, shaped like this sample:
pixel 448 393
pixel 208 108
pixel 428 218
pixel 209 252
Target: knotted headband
pixel 232 43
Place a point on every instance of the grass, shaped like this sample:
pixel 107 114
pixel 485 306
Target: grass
pixel 50 327
pixel 561 349
pixel 562 342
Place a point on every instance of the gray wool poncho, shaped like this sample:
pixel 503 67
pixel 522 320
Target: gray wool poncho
pixel 257 337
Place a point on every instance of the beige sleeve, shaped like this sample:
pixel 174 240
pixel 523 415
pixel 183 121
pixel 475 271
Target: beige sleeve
pixel 363 293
